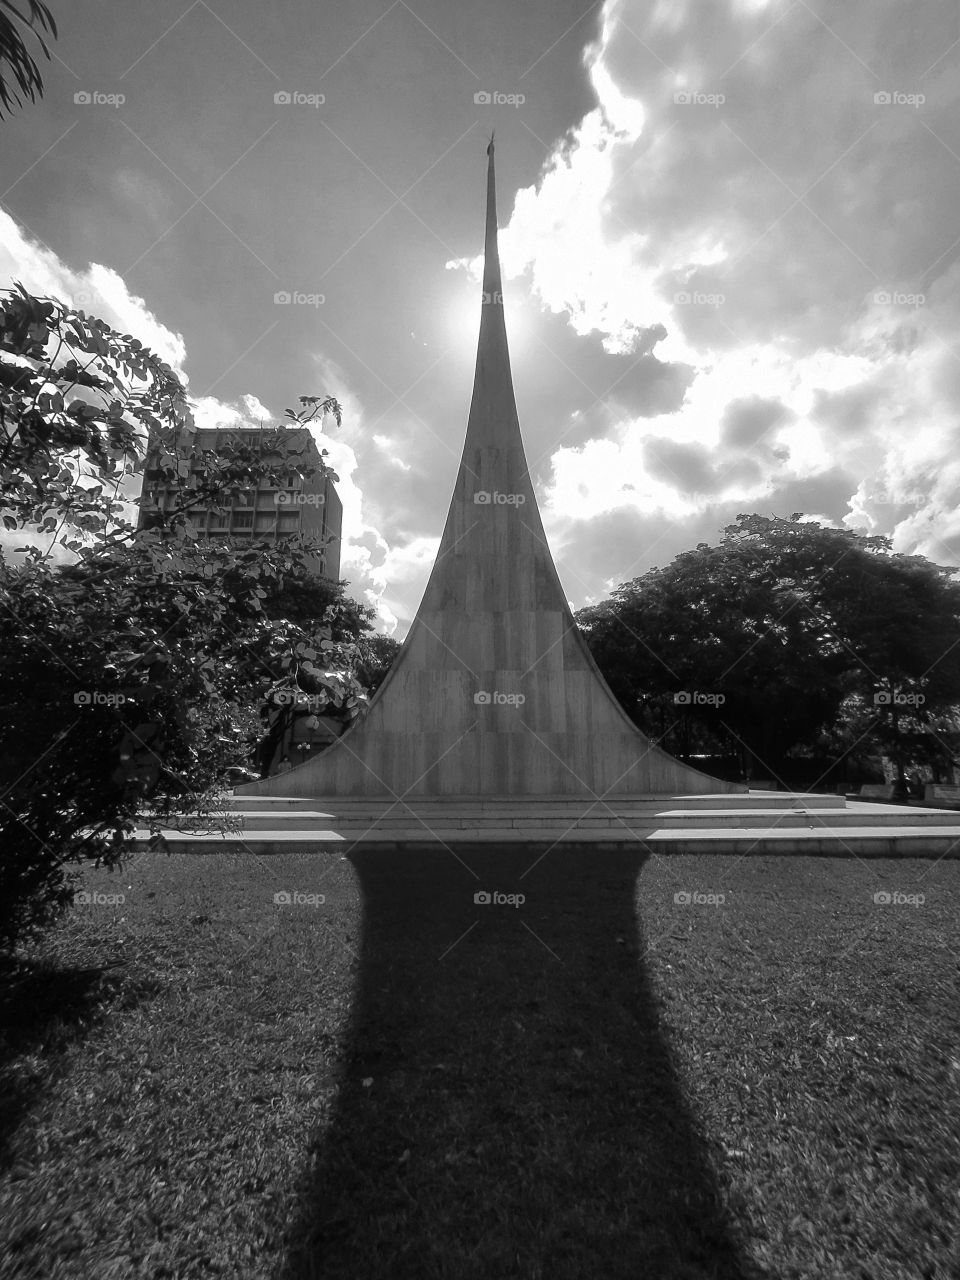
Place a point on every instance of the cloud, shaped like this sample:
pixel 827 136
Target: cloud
pixel 401 580
pixel 745 423
pixel 100 291
pixel 684 466
pixel 739 201
pixel 245 413
pixel 735 286
pixel 364 550
pixel 97 290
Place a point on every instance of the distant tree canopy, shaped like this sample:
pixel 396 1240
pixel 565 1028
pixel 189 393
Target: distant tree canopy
pixel 785 632
pixel 309 600
pixel 377 655
pixel 307 603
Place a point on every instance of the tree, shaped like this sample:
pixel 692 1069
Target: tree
pixel 377 655
pixel 126 677
pixel 306 600
pixel 17 64
pixel 368 657
pixel 760 641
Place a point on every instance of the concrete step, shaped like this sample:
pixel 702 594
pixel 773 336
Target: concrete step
pixel 503 804
pixel 356 824
pixel 860 841
pixel 753 823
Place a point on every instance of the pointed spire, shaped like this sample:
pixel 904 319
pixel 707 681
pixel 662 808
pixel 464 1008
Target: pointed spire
pixel 494 692
pixel 493 417
pixel 492 286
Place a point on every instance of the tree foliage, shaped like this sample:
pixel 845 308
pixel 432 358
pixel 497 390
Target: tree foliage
pixel 304 600
pixel 19 74
pixel 377 655
pixel 128 677
pixel 778 636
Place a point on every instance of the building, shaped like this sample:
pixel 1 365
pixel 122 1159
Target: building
pixel 310 508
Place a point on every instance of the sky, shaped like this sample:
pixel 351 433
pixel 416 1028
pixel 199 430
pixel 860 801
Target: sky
pixel 729 235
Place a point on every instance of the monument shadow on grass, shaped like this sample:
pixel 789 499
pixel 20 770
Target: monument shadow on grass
pixel 520 1116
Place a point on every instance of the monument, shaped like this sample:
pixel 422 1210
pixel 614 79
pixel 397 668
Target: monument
pixel 494 725
pixel 494 694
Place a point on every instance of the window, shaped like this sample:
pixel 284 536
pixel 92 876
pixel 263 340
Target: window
pixel 243 519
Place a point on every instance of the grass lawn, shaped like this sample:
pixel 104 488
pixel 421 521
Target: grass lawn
pixel 599 1081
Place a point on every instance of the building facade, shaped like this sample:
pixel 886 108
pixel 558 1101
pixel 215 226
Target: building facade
pixel 297 507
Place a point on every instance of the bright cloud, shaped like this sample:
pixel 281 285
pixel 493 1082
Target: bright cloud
pixel 741 184
pixel 100 291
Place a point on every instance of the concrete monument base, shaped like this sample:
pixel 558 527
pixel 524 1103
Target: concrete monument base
pixel 749 824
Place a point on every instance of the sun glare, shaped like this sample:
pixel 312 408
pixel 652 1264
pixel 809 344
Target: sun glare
pixel 462 321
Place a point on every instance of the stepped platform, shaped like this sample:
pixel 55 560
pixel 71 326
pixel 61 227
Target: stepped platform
pixel 751 823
